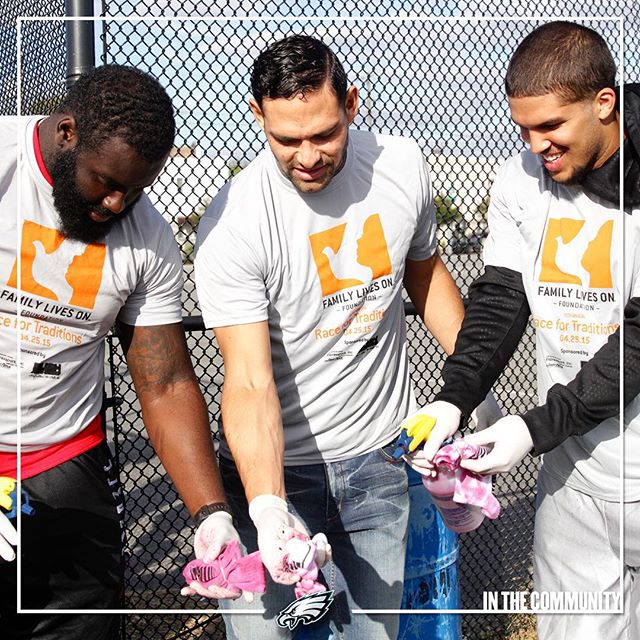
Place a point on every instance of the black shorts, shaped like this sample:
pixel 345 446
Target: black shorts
pixel 71 551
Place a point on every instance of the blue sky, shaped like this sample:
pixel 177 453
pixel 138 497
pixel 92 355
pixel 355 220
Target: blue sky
pixel 441 82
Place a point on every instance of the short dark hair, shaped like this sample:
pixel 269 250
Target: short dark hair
pixel 124 102
pixel 296 64
pixel 564 58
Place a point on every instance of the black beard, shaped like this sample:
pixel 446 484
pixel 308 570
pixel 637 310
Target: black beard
pixel 73 209
pixel 579 176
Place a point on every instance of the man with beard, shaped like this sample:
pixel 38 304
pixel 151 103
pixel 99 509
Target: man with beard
pixel 554 251
pixel 300 269
pixel 93 253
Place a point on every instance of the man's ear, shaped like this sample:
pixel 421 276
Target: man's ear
pixel 66 133
pixel 605 101
pixel 257 113
pixel 351 103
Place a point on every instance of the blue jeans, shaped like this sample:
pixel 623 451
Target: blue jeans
pixel 362 505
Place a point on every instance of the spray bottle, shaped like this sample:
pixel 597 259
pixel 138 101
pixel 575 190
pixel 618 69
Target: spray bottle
pixel 460 518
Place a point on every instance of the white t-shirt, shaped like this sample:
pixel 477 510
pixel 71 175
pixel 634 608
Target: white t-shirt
pixel 71 294
pixel 325 270
pixel 568 247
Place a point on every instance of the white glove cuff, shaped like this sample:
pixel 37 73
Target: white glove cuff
pixel 265 501
pixel 220 515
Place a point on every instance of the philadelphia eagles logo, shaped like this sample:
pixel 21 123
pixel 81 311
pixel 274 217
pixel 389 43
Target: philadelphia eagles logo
pixel 307 609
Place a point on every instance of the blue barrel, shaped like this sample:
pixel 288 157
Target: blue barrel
pixel 430 570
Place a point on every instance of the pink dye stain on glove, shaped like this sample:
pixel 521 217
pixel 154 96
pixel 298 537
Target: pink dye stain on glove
pixel 230 570
pixel 470 488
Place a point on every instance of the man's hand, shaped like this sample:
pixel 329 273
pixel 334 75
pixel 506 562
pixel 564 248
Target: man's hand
pixel 275 526
pixel 211 537
pixel 447 418
pixel 511 442
pixel 8 538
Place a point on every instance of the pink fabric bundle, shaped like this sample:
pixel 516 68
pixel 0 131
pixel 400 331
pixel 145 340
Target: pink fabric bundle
pixel 308 584
pixel 300 559
pixel 470 488
pixel 230 570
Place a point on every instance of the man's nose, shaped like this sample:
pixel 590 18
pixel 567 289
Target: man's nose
pixel 114 202
pixel 538 142
pixel 308 155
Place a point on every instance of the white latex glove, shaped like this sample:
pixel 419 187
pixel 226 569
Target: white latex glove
pixel 511 442
pixel 323 549
pixel 275 525
pixel 447 418
pixel 212 536
pixel 486 413
pixel 8 538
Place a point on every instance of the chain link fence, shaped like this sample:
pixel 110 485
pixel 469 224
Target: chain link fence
pixel 43 56
pixel 437 81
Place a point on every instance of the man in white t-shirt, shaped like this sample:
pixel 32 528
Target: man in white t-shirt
pixel 554 251
pixel 300 267
pixel 93 253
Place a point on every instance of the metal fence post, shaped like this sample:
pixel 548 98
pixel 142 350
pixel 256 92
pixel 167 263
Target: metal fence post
pixel 80 39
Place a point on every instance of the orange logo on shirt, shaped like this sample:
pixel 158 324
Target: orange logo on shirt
pixel 42 262
pixel 331 256
pixel 559 261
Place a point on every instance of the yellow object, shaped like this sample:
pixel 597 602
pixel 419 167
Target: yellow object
pixel 419 428
pixel 7 485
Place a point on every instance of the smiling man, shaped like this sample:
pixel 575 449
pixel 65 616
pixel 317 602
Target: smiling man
pixel 572 138
pixel 93 253
pixel 554 251
pixel 300 267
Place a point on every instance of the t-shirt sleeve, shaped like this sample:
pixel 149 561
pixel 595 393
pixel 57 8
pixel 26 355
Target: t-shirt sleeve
pixel 156 298
pixel 502 246
pixel 229 276
pixel 424 242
